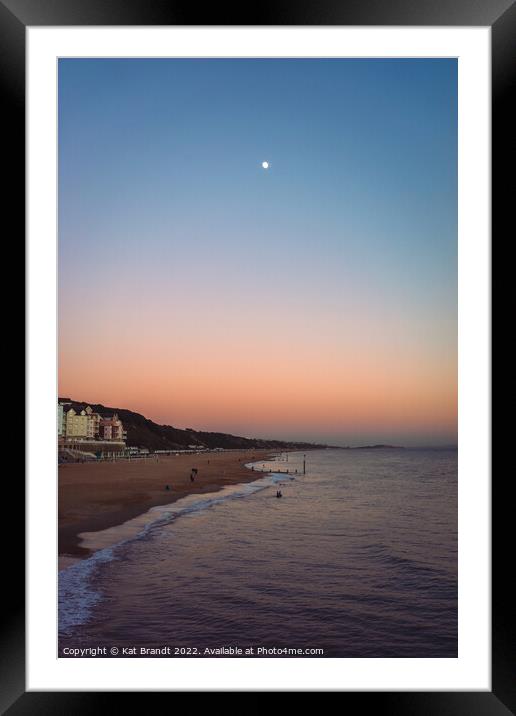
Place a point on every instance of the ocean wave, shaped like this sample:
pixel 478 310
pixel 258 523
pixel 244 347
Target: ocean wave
pixel 76 594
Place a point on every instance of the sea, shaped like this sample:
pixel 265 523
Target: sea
pixel 357 558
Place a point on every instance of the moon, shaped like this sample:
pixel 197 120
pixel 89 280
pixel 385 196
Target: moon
pixel 265 165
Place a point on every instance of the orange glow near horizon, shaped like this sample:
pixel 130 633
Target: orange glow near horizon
pixel 273 386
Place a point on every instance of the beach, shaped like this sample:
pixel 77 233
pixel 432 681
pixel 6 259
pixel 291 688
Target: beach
pixel 95 496
pixel 359 559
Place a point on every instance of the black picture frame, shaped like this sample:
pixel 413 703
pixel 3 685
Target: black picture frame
pixel 500 15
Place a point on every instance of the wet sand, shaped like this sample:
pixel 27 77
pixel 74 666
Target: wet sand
pixel 95 496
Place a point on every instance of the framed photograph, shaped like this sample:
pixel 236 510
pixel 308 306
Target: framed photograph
pixel 258 362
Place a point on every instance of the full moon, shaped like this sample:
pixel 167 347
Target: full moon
pixel 265 165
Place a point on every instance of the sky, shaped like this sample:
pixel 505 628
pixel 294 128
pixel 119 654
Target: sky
pixel 313 300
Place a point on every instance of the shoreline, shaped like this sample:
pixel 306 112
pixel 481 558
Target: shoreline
pixel 97 496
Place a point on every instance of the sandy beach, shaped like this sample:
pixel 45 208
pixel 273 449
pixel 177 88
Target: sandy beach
pixel 94 496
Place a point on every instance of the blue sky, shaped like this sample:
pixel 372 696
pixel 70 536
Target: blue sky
pixel 162 199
